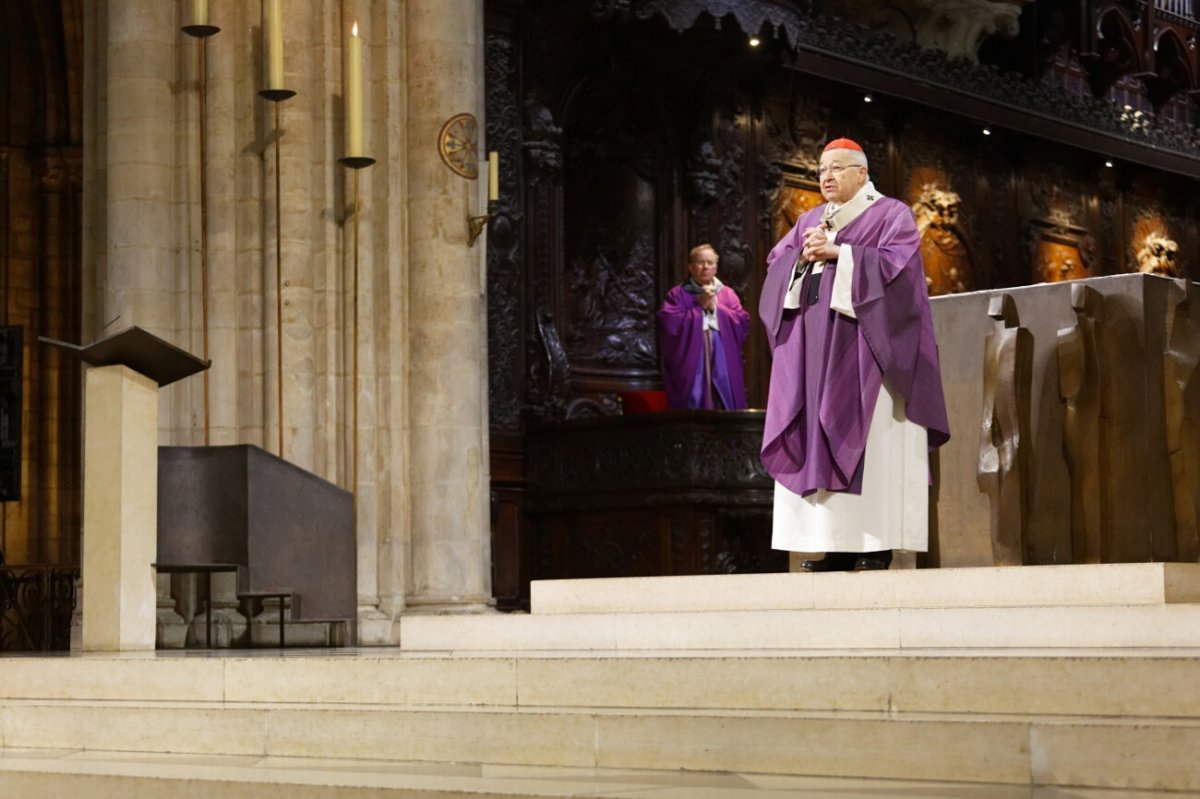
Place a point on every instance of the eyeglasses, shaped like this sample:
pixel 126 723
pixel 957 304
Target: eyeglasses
pixel 837 169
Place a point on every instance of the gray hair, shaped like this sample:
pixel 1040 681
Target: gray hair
pixel 856 157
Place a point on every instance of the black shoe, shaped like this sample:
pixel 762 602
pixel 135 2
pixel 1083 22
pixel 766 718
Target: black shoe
pixel 833 562
pixel 874 561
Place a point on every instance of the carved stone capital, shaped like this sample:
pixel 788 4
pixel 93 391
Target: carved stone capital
pixel 955 27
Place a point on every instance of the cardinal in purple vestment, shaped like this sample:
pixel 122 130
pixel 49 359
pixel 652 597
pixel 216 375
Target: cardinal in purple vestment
pixel 847 318
pixel 701 328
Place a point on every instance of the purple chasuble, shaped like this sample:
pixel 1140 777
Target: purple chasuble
pixel 681 339
pixel 827 368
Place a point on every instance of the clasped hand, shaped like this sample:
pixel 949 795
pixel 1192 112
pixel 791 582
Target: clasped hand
pixel 817 246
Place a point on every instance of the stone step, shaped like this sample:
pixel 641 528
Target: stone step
pixel 1088 751
pixel 52 774
pixel 1089 627
pixel 1123 684
pixel 1117 719
pixel 1028 586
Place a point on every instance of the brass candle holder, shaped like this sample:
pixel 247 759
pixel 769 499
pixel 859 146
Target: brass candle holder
pixel 355 163
pixel 202 33
pixel 276 97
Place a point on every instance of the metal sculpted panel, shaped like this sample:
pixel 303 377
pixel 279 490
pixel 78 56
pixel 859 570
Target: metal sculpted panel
pixel 1084 424
pixel 1181 403
pixel 1004 436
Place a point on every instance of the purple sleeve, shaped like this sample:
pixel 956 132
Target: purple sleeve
pixel 680 321
pixel 892 303
pixel 731 316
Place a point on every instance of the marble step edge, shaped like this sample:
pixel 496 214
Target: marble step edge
pixel 1143 626
pixel 1163 685
pixel 118 777
pixel 1088 752
pixel 1023 586
pixel 113 774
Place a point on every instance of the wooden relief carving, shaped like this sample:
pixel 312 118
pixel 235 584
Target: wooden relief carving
pixel 612 297
pixel 793 199
pixel 1181 399
pixel 1058 259
pixel 505 252
pixel 1060 246
pixel 1155 249
pixel 615 550
pixel 616 182
pixel 1004 440
pixel 1084 427
pixel 944 249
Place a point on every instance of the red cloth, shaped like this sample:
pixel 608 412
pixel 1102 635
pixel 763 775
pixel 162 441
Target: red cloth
pixel 634 402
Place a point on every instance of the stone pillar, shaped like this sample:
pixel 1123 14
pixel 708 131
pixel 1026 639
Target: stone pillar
pixel 120 511
pixel 450 552
pixel 140 253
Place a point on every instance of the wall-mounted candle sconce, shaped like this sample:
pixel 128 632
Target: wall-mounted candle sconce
pixel 477 223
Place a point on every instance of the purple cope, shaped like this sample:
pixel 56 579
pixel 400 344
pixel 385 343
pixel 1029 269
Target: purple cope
pixel 827 368
pixel 682 340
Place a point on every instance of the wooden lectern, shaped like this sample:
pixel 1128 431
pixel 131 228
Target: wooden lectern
pixel 120 482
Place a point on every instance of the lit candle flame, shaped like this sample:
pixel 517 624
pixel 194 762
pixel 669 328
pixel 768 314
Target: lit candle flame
pixel 354 30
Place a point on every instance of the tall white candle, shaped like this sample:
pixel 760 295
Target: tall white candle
pixel 354 99
pixel 493 176
pixel 199 12
pixel 274 44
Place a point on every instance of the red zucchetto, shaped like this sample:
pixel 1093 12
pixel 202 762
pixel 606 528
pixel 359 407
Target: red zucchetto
pixel 842 144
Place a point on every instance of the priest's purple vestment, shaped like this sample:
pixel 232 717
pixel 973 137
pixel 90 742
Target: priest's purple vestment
pixel 682 339
pixel 828 368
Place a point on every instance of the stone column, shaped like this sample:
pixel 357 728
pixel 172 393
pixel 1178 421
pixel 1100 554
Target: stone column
pixel 451 557
pixel 138 237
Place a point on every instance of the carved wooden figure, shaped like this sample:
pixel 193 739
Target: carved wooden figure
pixel 1181 398
pixel 1079 381
pixel 1003 473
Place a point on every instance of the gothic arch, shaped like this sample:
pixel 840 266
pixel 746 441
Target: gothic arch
pixel 1173 69
pixel 1115 52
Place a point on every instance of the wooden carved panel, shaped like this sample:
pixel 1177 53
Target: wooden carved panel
pixel 616 189
pixel 793 199
pixel 944 248
pixel 1059 258
pixel 505 244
